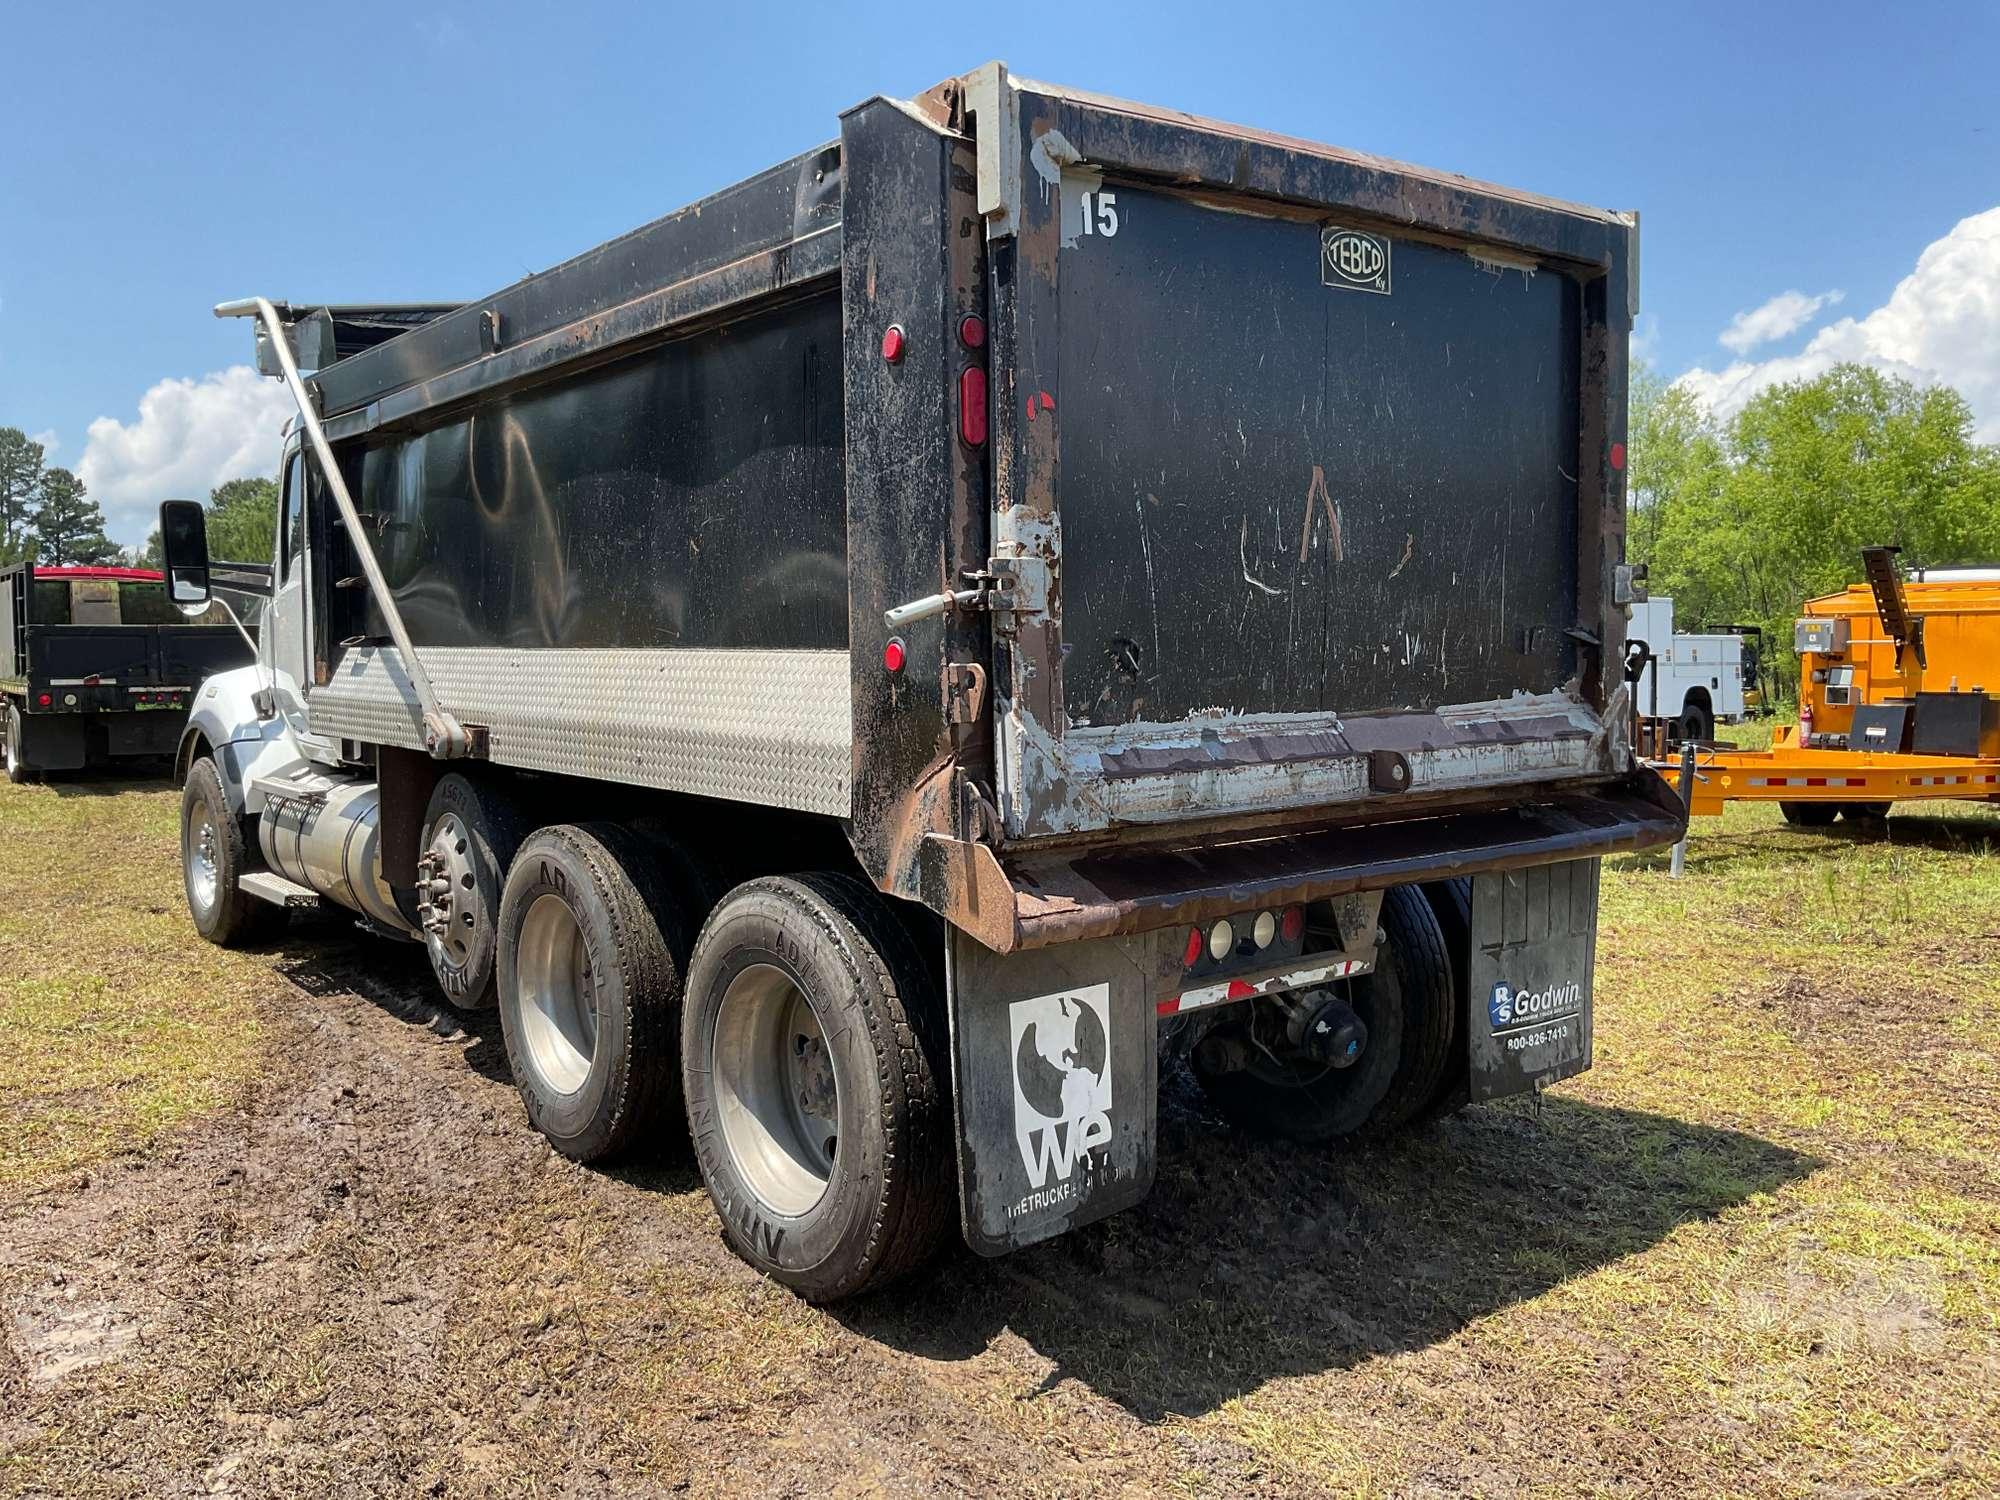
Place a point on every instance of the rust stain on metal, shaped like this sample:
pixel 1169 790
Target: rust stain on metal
pixel 1317 490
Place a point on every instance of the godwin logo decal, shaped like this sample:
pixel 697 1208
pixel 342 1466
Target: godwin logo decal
pixel 1062 1080
pixel 1508 1006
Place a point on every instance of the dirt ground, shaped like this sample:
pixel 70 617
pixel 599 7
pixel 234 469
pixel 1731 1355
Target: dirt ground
pixel 1756 1251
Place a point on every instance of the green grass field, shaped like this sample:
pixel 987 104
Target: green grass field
pixel 1755 1250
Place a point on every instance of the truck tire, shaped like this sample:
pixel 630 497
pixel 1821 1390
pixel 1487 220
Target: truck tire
pixel 1451 904
pixel 1809 814
pixel 1866 815
pixel 590 988
pixel 1696 723
pixel 213 860
pixel 471 834
pixel 1407 1006
pixel 19 772
pixel 816 1077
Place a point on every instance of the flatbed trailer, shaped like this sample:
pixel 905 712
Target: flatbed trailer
pixel 1897 703
pixel 868 670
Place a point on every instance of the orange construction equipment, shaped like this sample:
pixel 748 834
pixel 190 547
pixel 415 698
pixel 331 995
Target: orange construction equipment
pixel 1899 700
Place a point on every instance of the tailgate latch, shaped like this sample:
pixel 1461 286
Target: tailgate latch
pixel 1006 585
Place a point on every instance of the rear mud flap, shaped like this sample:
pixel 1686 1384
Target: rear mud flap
pixel 1054 1072
pixel 1534 953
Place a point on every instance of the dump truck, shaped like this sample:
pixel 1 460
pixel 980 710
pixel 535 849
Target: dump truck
pixel 97 667
pixel 1899 700
pixel 870 671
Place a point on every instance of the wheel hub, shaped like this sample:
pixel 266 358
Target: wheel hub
pixel 777 1089
pixel 202 876
pixel 453 917
pixel 558 995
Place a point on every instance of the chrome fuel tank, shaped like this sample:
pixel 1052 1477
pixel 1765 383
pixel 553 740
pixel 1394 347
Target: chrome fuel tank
pixel 331 841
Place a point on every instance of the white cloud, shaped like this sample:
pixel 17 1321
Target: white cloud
pixel 190 436
pixel 1785 313
pixel 49 441
pixel 1645 340
pixel 1941 324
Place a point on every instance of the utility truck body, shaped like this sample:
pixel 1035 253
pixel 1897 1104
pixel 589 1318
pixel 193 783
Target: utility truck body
pixel 873 667
pixel 1693 680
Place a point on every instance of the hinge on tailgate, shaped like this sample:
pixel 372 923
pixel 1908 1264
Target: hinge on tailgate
pixel 964 692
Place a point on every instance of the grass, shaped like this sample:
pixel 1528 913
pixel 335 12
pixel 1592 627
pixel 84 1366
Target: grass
pixel 1755 1250
pixel 116 1022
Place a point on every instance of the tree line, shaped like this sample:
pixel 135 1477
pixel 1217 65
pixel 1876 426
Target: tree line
pixel 46 515
pixel 44 512
pixel 1742 519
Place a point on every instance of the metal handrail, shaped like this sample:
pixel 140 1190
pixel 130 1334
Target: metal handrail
pixel 444 737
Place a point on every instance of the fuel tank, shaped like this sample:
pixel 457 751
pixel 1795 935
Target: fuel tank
pixel 331 841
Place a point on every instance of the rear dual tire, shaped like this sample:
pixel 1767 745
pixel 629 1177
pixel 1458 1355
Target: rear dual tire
pixel 815 1071
pixel 19 772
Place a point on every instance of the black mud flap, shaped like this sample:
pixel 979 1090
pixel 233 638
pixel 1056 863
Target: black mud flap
pixel 1053 1063
pixel 1534 952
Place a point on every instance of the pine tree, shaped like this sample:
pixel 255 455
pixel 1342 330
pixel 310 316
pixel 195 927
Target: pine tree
pixel 20 482
pixel 70 525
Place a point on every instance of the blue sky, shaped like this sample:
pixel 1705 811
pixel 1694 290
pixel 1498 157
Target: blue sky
pixel 156 159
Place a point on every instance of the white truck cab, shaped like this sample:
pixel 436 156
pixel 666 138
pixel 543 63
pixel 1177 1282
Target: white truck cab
pixel 1694 681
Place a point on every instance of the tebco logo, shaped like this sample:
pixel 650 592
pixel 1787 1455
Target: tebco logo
pixel 1508 1006
pixel 1355 259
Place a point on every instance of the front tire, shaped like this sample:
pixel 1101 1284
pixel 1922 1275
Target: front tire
pixel 213 861
pixel 590 974
pixel 471 835
pixel 1407 1007
pixel 19 772
pixel 815 1075
pixel 1695 724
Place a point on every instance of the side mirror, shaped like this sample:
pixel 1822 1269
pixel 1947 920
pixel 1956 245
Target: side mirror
pixel 184 545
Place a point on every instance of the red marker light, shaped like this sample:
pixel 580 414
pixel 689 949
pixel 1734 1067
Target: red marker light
pixel 45 700
pixel 892 654
pixel 1618 455
pixel 1194 947
pixel 1292 925
pixel 892 343
pixel 972 406
pixel 972 332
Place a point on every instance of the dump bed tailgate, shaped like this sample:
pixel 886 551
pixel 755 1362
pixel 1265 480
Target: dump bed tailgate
pixel 1308 480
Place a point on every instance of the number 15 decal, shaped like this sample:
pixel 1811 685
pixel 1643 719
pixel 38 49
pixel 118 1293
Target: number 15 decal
pixel 1100 214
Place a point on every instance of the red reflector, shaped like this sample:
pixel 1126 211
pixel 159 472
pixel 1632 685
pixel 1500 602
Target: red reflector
pixel 892 342
pixel 1617 455
pixel 892 654
pixel 972 332
pixel 1292 926
pixel 972 407
pixel 45 700
pixel 1194 948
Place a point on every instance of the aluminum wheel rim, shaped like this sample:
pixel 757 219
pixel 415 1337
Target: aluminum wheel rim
pixel 203 878
pixel 777 1090
pixel 456 900
pixel 558 999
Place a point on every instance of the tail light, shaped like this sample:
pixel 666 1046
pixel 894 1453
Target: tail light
pixel 45 700
pixel 1292 925
pixel 972 406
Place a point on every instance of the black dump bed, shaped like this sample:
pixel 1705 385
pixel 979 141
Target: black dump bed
pixel 1281 486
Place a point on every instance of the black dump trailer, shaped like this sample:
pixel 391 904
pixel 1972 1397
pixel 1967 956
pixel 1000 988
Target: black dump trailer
pixel 876 668
pixel 96 666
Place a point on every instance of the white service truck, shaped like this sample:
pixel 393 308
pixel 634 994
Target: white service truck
pixel 1693 681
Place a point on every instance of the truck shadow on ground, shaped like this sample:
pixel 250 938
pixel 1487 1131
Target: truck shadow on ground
pixel 1252 1261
